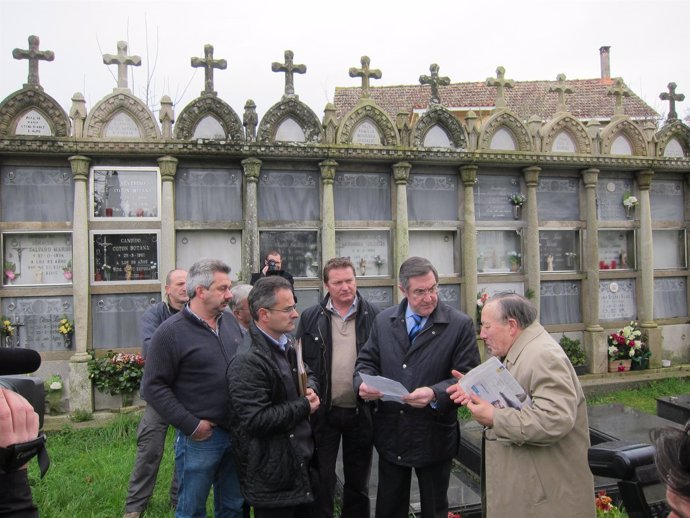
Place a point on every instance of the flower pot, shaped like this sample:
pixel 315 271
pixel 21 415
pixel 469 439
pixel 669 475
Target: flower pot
pixel 619 365
pixel 580 369
pixel 127 399
pixel 640 365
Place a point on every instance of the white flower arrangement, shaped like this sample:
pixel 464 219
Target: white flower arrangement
pixel 630 201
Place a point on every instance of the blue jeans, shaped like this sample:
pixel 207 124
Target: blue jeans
pixel 200 465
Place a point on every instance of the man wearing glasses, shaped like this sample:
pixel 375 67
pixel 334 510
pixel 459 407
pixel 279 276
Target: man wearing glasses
pixel 271 396
pixel 417 343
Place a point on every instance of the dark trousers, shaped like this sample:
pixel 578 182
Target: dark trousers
pixel 356 432
pixel 393 496
pixel 300 511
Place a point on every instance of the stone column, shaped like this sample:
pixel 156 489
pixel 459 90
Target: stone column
pixel 328 168
pixel 250 236
pixel 168 167
pixel 645 293
pixel 594 339
pixel 79 388
pixel 468 175
pixel 401 174
pixel 530 252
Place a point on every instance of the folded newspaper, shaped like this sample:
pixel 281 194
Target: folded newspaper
pixel 492 382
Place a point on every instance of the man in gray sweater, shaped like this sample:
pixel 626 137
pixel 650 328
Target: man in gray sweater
pixel 184 381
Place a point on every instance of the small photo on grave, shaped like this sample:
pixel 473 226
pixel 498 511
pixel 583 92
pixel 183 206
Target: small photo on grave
pixel 125 192
pixel 36 258
pixel 130 257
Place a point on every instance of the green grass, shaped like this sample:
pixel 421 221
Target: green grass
pixel 90 467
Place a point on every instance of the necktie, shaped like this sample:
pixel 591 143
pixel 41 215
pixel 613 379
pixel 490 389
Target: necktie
pixel 416 328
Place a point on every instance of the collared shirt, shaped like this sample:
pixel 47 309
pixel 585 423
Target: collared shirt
pixel 214 331
pixel 281 344
pixel 351 311
pixel 410 321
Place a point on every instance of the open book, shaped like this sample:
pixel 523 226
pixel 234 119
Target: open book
pixel 492 382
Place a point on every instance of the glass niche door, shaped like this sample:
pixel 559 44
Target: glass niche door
pixel 499 251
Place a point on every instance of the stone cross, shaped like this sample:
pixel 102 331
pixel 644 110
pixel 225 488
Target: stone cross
pixel 501 84
pixel 365 73
pixel 290 70
pixel 619 90
pixel 208 64
pixel 434 81
pixel 34 56
pixel 122 60
pixel 561 90
pixel 672 97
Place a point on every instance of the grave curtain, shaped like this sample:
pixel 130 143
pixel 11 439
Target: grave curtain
pixel 560 303
pixel 288 196
pixel 208 195
pixel 36 193
pixel 362 196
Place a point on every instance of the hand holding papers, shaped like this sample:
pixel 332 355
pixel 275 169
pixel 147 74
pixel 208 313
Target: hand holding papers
pixel 392 390
pixel 492 382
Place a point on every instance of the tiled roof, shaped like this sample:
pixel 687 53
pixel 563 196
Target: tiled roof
pixel 589 99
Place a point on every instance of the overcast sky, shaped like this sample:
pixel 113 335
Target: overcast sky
pixel 532 39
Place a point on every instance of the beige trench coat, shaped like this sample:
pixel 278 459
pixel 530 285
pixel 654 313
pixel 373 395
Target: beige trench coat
pixel 536 458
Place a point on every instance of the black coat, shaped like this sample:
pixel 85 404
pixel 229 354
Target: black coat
pixel 271 470
pixel 317 347
pixel 417 437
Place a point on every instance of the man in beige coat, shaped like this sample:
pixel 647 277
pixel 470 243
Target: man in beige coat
pixel 535 461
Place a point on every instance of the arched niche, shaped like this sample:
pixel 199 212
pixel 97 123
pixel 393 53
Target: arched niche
pixel 615 136
pixel 504 121
pixel 118 114
pixel 437 119
pixel 203 116
pixel 34 113
pixel 566 134
pixel 289 121
pixel 364 115
pixel 673 140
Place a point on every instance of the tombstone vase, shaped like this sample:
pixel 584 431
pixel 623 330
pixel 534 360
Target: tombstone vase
pixel 619 365
pixel 516 211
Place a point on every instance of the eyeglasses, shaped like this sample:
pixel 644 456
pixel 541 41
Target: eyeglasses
pixel 419 293
pixel 288 309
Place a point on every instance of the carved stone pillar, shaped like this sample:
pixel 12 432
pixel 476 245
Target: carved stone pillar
pixel 594 339
pixel 468 175
pixel 531 243
pixel 401 174
pixel 79 386
pixel 250 236
pixel 168 167
pixel 328 168
pixel 645 294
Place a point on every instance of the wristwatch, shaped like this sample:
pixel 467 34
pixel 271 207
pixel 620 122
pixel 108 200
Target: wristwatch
pixel 16 455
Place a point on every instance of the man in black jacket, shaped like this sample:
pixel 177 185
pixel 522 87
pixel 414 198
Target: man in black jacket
pixel 271 396
pixel 332 333
pixel 417 343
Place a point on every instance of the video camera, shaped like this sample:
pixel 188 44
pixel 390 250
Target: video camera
pixel 14 362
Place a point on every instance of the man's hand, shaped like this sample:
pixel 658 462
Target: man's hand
pixel 313 399
pixel 203 431
pixel 419 398
pixel 482 411
pixel 18 421
pixel 457 394
pixel 368 394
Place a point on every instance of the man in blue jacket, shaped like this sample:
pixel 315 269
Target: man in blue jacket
pixel 184 381
pixel 417 343
pixel 152 428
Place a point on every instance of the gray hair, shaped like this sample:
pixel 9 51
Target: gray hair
pixel 201 274
pixel 239 293
pixel 517 307
pixel 414 267
pixel 263 294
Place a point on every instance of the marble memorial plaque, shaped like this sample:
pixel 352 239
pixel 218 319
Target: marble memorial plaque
pixel 617 300
pixel 125 192
pixel 610 193
pixel 382 296
pixel 674 149
pixel 563 143
pixel 36 321
pixel 33 124
pixel 491 197
pixel 290 131
pixel 298 249
pixel 209 128
pixel 218 244
pixel 37 258
pixel 437 137
pixel 368 250
pixel 558 199
pixel 126 257
pixel 366 133
pixel 122 125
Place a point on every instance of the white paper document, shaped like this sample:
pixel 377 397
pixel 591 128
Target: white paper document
pixel 392 390
pixel 492 382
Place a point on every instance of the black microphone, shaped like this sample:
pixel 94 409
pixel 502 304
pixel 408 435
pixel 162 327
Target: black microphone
pixel 18 361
